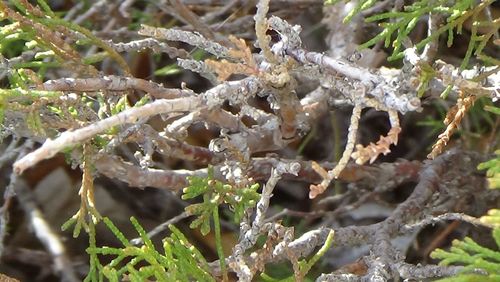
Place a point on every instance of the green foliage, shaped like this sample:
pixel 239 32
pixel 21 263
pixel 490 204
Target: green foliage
pixel 493 170
pixel 472 278
pixel 120 106
pixel 24 100
pixel 397 25
pixel 35 123
pixel 492 217
pixel 139 17
pixel 492 166
pixel 168 70
pixel 215 193
pixel 94 263
pixel 22 34
pixel 39 40
pixel 38 29
pixel 79 221
pixel 180 261
pixel 473 256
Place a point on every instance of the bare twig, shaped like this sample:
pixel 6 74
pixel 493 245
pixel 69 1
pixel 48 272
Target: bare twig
pixel 192 19
pixel 124 6
pixel 50 240
pixel 384 261
pixel 136 176
pixel 12 151
pixel 431 48
pixel 259 170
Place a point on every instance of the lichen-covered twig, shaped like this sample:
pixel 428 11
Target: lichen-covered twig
pixel 249 234
pixel 237 92
pixel 430 271
pixel 114 83
pixel 470 81
pixel 199 67
pixel 186 37
pixel 384 253
pixel 149 43
pixel 71 138
pixel 444 217
pixel 61 49
pixel 245 62
pixel 376 85
pixel 315 190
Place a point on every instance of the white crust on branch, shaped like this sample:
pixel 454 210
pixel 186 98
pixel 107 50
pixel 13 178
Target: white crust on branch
pixel 71 138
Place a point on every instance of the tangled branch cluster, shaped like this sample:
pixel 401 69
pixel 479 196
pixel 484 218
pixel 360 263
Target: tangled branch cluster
pixel 99 114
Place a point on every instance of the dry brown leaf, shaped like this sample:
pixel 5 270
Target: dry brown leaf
pixel 453 119
pixel 372 151
pixel 5 278
pixel 241 53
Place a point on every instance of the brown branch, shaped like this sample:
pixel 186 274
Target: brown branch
pixel 188 17
pixel 259 170
pixel 136 176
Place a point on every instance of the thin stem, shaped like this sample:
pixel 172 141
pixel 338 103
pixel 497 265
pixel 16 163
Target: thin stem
pixel 218 244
